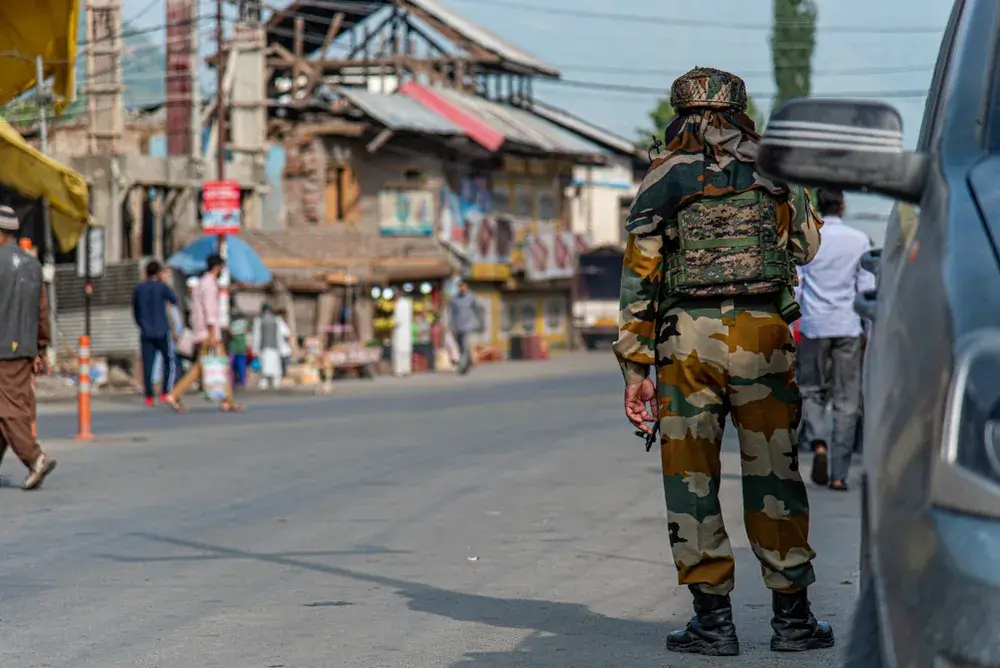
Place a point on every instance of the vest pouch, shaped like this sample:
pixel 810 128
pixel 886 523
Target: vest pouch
pixel 727 246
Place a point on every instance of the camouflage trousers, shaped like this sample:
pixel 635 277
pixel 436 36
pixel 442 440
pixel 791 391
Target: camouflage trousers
pixel 733 357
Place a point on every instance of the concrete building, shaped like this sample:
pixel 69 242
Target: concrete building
pixel 419 157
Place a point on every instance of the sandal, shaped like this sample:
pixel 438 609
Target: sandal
pixel 231 407
pixel 176 405
pixel 838 486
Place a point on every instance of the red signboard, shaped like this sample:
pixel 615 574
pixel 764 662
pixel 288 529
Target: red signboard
pixel 221 204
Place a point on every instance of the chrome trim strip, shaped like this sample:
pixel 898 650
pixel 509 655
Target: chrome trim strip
pixel 833 127
pixel 830 146
pixel 833 136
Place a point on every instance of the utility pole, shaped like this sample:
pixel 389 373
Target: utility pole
pixel 49 259
pixel 220 121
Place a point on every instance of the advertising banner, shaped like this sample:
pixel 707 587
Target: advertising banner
pixel 550 255
pixel 406 213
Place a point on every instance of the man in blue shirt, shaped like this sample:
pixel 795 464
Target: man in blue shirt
pixel 829 357
pixel 149 308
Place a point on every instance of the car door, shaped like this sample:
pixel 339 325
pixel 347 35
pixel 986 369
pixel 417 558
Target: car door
pixel 887 352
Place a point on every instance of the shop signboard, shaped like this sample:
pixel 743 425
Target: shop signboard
pixel 406 212
pixel 221 202
pixel 550 255
pixel 494 271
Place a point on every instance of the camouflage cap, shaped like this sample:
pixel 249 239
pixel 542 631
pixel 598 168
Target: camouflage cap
pixel 708 88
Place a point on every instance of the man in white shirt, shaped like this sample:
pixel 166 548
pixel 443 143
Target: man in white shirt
pixel 829 357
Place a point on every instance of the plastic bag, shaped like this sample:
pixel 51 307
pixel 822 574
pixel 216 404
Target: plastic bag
pixel 215 376
pixel 451 345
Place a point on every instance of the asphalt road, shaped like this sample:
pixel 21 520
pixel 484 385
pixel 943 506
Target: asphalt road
pixel 501 520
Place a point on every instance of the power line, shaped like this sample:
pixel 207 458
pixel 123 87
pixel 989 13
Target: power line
pixel 696 23
pixel 659 90
pixel 338 6
pixel 142 12
pixel 858 71
pixel 145 31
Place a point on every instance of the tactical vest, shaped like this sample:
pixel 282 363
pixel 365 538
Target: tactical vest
pixel 728 246
pixel 20 303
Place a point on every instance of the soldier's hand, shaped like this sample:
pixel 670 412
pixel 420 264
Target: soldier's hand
pixel 41 366
pixel 637 397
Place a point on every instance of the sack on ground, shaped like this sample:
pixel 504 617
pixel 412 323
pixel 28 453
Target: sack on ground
pixel 215 376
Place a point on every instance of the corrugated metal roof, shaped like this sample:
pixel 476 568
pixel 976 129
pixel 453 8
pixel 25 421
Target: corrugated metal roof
pixel 522 126
pixel 588 130
pixel 484 37
pixel 398 112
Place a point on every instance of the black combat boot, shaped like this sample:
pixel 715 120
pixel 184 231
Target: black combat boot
pixel 711 631
pixel 795 627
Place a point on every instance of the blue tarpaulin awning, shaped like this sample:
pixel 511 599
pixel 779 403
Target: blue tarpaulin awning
pixel 245 266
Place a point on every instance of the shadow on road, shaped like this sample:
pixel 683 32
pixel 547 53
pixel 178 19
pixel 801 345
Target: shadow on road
pixel 564 634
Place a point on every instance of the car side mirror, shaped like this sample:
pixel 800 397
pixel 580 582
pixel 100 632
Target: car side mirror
pixel 845 144
pixel 871 261
pixel 864 302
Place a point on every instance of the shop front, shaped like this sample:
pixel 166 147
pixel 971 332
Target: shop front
pixel 532 320
pixel 421 316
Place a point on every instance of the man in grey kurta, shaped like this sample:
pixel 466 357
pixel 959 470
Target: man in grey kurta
pixel 466 318
pixel 24 336
pixel 266 342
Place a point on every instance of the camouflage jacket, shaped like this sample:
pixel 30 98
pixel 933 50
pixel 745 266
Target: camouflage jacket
pixel 642 274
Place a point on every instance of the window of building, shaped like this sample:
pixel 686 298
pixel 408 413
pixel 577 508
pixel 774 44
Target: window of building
pixel 529 316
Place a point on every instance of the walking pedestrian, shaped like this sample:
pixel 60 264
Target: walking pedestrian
pixel 267 337
pixel 206 326
pixel 176 325
pixel 150 300
pixel 285 347
pixel 466 317
pixel 706 299
pixel 830 355
pixel 176 321
pixel 238 327
pixel 24 338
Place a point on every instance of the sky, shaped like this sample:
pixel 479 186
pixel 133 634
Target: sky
pixel 652 55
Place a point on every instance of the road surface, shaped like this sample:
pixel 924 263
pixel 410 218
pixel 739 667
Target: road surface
pixel 484 522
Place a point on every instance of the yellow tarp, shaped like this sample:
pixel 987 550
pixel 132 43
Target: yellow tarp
pixel 33 174
pixel 46 28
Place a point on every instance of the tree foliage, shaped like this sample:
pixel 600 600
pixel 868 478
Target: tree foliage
pixel 662 114
pixel 793 40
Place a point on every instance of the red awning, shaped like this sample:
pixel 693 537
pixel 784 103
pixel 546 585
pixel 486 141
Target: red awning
pixel 483 134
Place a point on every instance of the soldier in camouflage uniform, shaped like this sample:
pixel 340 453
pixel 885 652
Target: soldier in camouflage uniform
pixel 706 298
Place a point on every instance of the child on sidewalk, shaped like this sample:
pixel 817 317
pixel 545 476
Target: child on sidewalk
pixel 238 328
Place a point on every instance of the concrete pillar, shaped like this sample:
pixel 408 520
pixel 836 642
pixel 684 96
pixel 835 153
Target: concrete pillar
pixel 134 200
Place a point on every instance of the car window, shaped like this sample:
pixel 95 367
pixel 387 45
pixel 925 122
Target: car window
pixel 932 109
pixel 993 116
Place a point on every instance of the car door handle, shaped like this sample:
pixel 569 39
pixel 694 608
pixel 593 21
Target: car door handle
pixel 864 304
pixel 871 261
